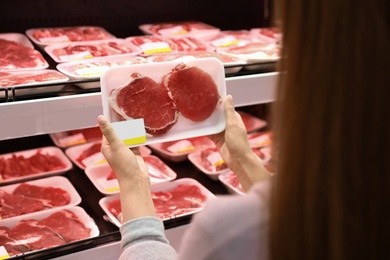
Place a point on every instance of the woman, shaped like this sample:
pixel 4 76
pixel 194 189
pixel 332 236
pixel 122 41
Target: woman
pixel 331 125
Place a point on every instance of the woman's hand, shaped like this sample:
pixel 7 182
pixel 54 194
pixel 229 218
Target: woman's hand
pixel 233 142
pixel 233 145
pixel 131 172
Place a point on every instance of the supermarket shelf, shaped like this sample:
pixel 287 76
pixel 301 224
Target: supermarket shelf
pixel 57 114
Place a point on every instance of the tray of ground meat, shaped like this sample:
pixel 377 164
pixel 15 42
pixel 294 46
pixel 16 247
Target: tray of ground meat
pixel 34 163
pixel 87 50
pixel 175 100
pixel 171 200
pixel 88 154
pixel 178 151
pixel 46 229
pixel 209 161
pixel 18 53
pixel 46 36
pixel 37 195
pixel 104 179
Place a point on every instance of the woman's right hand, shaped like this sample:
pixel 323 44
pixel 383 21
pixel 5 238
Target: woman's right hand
pixel 232 143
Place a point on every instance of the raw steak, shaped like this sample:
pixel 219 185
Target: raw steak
pixel 17 56
pixel 68 225
pixel 15 205
pixel 10 244
pixel 193 91
pixel 142 97
pixel 50 196
pixel 35 235
pixel 184 198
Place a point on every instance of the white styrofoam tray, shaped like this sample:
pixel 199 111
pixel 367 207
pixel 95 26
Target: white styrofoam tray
pixel 197 143
pixel 184 128
pixel 50 50
pixel 55 182
pixel 195 159
pixel 98 176
pixel 61 39
pixel 104 202
pixel 224 178
pixel 51 150
pixel 77 210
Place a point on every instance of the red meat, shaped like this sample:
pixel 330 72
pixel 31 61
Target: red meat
pixel 10 244
pixel 50 196
pixel 142 97
pixel 193 91
pixel 15 205
pixel 35 235
pixel 94 148
pixel 68 225
pixel 73 33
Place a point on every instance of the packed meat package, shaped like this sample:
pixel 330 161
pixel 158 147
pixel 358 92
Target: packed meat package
pixel 178 151
pixel 231 182
pixel 67 52
pixel 252 123
pixel 32 164
pixel 104 179
pixel 77 136
pixel 267 34
pixel 45 36
pixel 89 154
pixel 37 195
pixel 178 198
pixel 175 100
pixel 260 139
pixel 232 64
pixel 209 161
pixel 17 53
pixel 87 70
pixel 151 45
pixel 179 29
pixel 46 229
pixel 32 78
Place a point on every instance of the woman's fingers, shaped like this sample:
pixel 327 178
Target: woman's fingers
pixel 108 132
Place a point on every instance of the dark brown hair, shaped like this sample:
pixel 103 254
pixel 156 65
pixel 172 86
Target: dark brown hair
pixel 331 122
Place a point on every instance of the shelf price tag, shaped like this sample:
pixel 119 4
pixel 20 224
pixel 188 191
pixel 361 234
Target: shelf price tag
pixel 131 132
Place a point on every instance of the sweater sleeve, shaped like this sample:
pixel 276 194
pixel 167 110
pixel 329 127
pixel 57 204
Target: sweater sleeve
pixel 144 238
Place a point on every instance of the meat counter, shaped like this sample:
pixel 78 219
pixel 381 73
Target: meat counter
pixel 27 119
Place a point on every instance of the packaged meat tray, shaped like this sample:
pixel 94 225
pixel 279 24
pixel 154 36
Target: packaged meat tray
pixel 151 45
pixel 87 50
pixel 87 70
pixel 192 107
pixel 38 195
pixel 88 154
pixel 186 197
pixel 209 161
pixel 31 164
pixel 230 181
pixel 77 136
pixel 46 36
pixel 252 123
pixel 231 64
pixel 179 29
pixel 103 178
pixel 260 139
pixel 17 53
pixel 46 229
pixel 178 151
pixel 267 34
pixel 43 78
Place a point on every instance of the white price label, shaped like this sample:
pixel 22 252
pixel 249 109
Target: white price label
pixel 72 139
pixel 89 72
pixel 77 56
pixel 225 41
pixel 173 30
pixel 111 185
pixel 260 141
pixel 94 159
pixel 155 47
